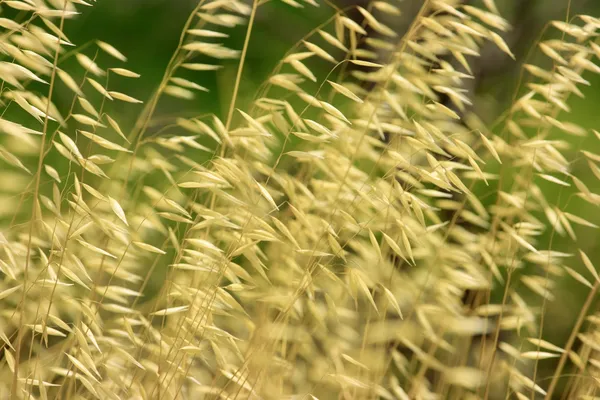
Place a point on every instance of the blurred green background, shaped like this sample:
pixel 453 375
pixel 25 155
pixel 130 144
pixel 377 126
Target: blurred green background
pixel 147 31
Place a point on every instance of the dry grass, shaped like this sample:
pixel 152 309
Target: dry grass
pixel 334 245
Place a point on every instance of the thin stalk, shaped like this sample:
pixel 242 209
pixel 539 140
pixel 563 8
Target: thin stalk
pixel 571 340
pixel 36 190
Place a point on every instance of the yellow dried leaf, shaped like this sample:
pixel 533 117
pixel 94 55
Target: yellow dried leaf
pixel 171 310
pixel 124 72
pixel 112 51
pixel 345 91
pixel 118 210
pixel 588 264
pixel 124 97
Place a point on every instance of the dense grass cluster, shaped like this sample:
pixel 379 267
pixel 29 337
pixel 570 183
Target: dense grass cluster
pixel 330 241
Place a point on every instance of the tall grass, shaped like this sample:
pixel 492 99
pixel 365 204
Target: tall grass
pixel 356 233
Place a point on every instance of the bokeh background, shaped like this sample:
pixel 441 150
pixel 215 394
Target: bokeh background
pixel 147 31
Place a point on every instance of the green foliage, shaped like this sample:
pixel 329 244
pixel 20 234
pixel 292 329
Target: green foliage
pixel 351 228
